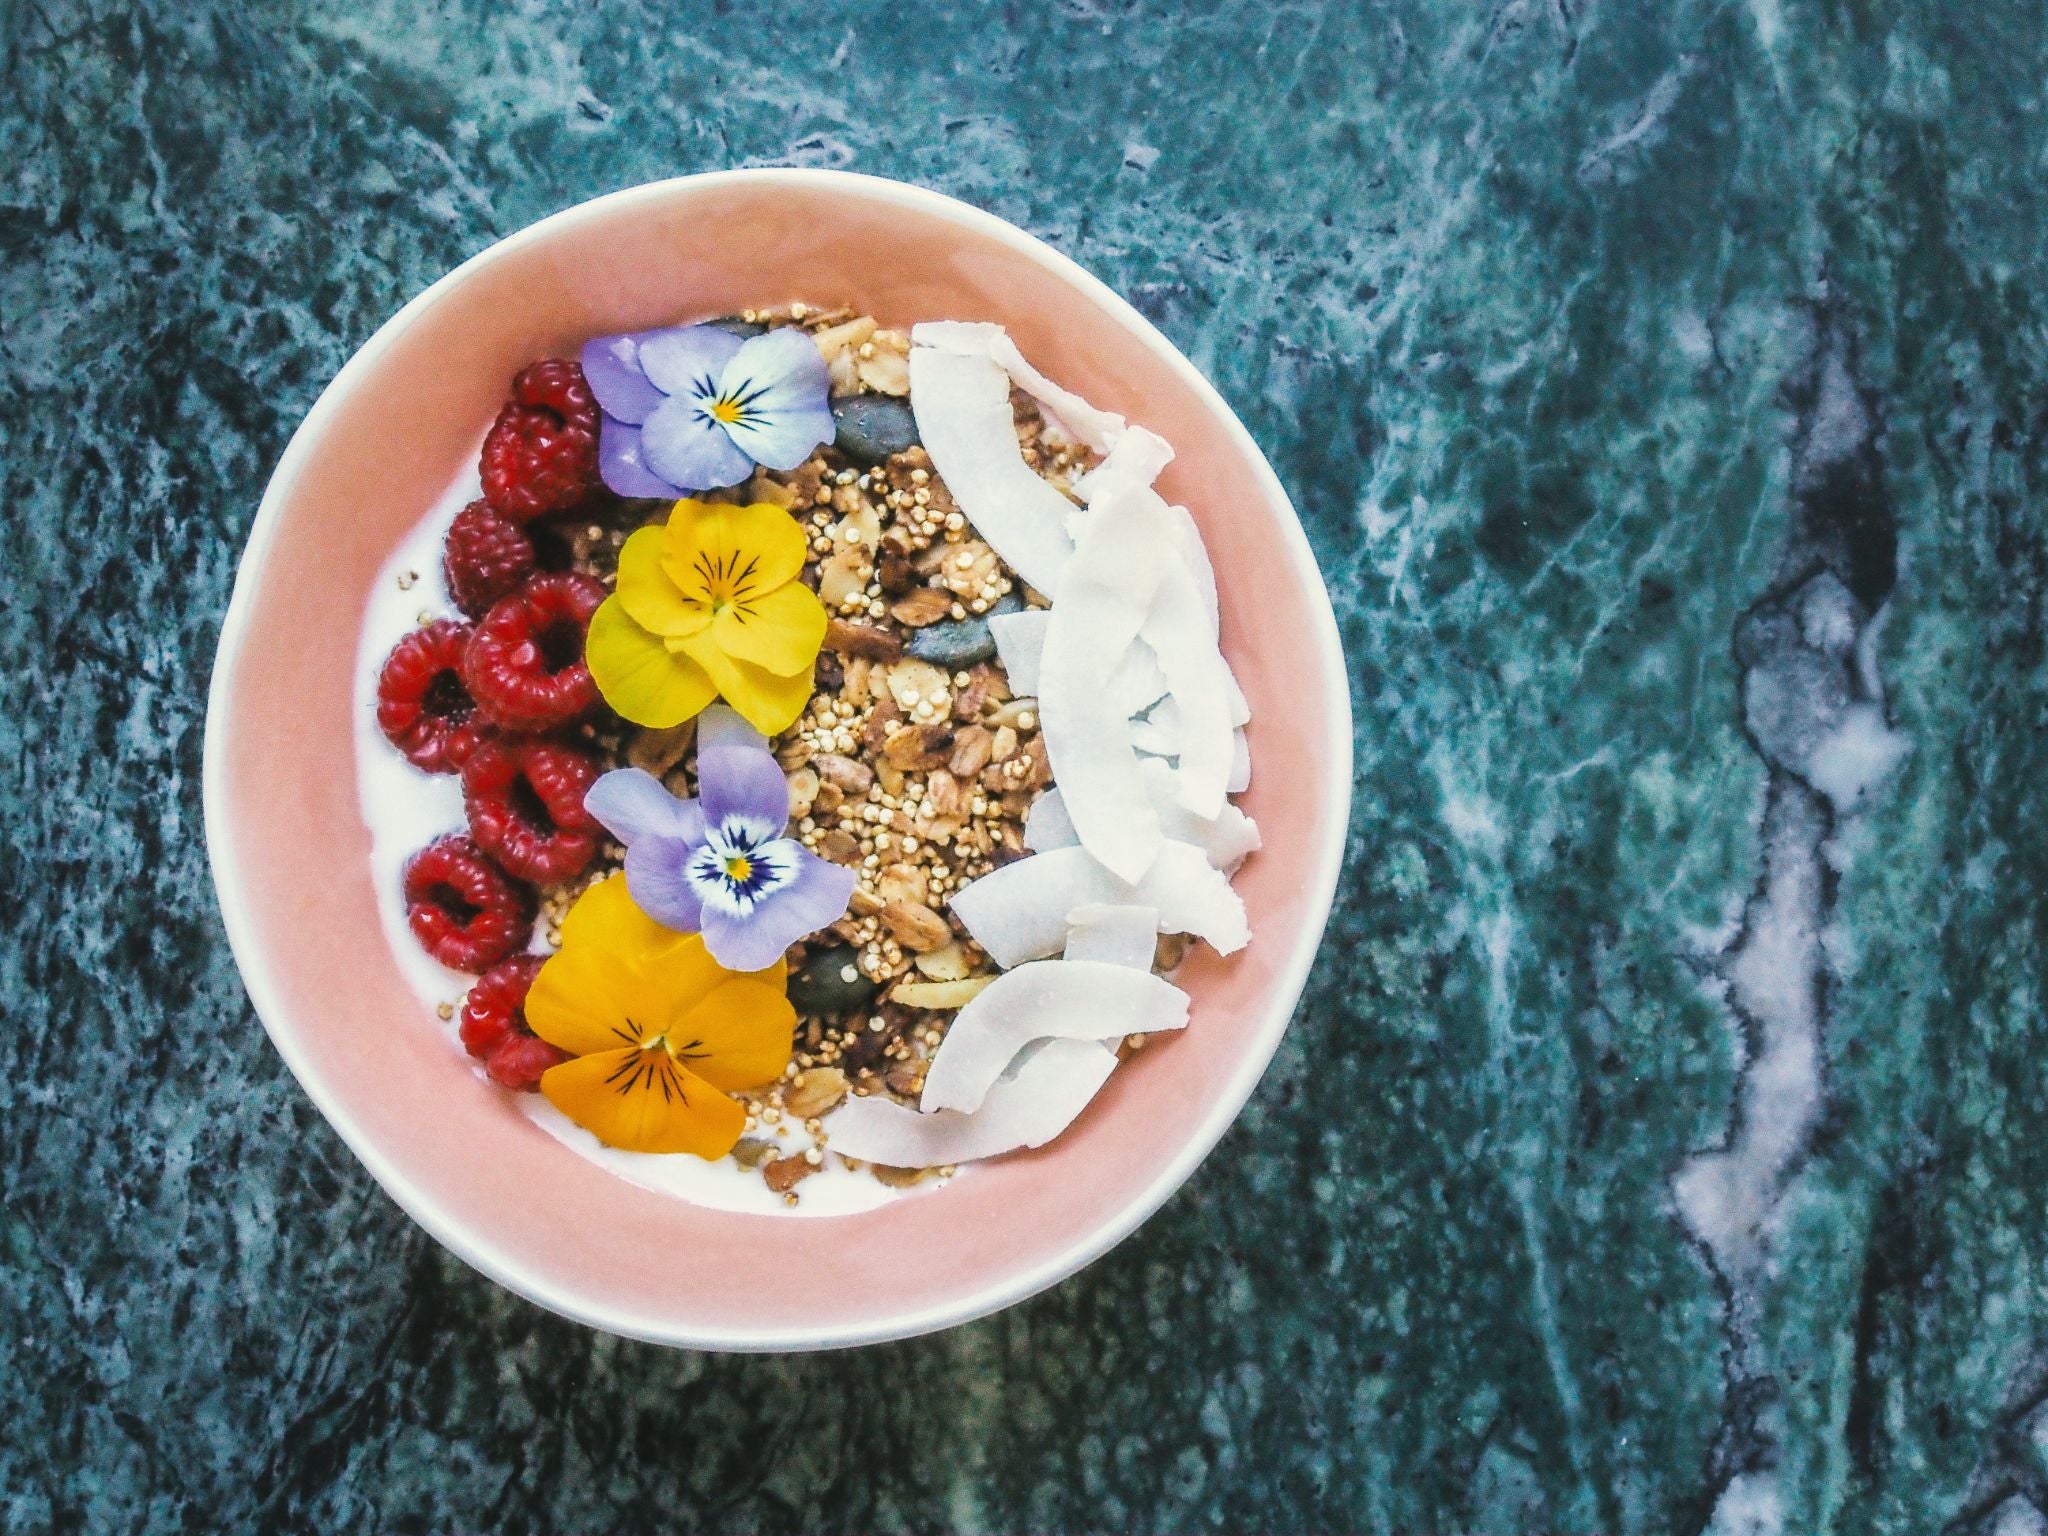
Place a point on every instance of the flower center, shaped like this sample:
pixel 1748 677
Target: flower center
pixel 728 411
pixel 727 580
pixel 738 864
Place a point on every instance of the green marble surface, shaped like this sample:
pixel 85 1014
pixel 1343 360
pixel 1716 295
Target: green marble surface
pixel 1660 1145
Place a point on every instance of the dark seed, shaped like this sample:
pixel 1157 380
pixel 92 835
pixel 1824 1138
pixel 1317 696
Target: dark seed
pixel 820 987
pixel 733 325
pixel 871 427
pixel 952 644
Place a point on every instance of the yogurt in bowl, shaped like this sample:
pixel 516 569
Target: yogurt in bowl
pixel 1048 933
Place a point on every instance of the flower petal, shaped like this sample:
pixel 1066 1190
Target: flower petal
pixel 637 673
pixel 584 1000
pixel 737 1037
pixel 783 389
pixel 769 703
pixel 657 873
pixel 622 461
pixel 632 803
pixel 622 388
pixel 641 1101
pixel 738 779
pixel 647 593
pixel 816 897
pixel 732 554
pixel 683 444
pixel 686 359
pixel 720 727
pixel 605 916
pixel 782 631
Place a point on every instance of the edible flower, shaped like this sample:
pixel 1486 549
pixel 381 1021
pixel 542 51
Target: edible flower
pixel 719 864
pixel 708 604
pixel 694 407
pixel 660 1034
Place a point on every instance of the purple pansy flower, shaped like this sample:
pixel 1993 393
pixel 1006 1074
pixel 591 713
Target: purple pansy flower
pixel 692 407
pixel 720 865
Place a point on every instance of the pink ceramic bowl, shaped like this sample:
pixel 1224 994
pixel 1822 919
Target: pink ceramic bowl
pixel 391 432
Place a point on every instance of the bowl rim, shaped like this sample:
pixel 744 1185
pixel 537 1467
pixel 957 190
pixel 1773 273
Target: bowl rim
pixel 1319 877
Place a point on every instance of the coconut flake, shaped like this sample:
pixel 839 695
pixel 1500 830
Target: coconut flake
pixel 1046 1000
pixel 1124 554
pixel 1027 1109
pixel 1137 682
pixel 1199 689
pixel 1159 732
pixel 1228 838
pixel 1195 555
pixel 1240 706
pixel 1114 935
pixel 1048 826
pixel 1020 912
pixel 1133 463
pixel 1240 764
pixel 1066 412
pixel 1020 641
pixel 962 405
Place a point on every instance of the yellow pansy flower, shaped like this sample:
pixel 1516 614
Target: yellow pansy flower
pixel 709 604
pixel 661 1035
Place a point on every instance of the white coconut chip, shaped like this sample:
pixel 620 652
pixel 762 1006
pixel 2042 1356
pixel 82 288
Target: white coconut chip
pixel 1137 682
pixel 962 405
pixel 1114 935
pixel 1199 689
pixel 1020 641
pixel 1034 1104
pixel 1046 1000
pixel 1124 553
pixel 1195 554
pixel 1066 412
pixel 1135 460
pixel 1020 912
pixel 1228 838
pixel 1048 826
pixel 1240 706
pixel 1132 465
pixel 1240 764
pixel 1159 732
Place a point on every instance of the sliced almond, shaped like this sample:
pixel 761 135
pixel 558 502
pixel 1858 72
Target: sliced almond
pixel 948 962
pixel 834 340
pixel 815 1092
pixel 803 791
pixel 849 777
pixel 916 926
pixel 926 605
pixel 844 573
pixel 914 683
pixel 868 642
pixel 902 882
pixel 659 751
pixel 939 995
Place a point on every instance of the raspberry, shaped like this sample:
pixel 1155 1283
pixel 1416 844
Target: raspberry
pixel 520 1061
pixel 541 455
pixel 494 1028
pixel 525 801
pixel 423 706
pixel 524 666
pixel 465 911
pixel 486 558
